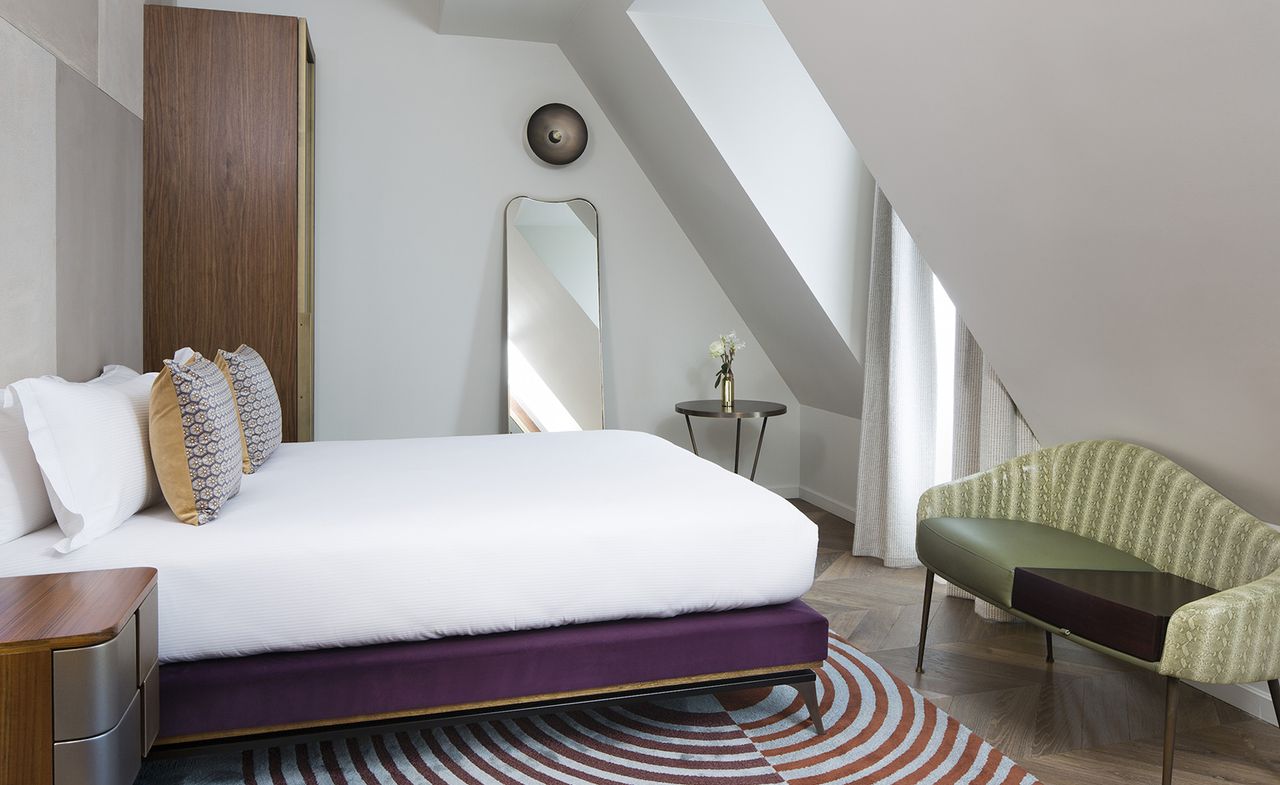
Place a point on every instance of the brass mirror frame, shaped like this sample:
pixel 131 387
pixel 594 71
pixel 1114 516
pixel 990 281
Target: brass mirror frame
pixel 508 221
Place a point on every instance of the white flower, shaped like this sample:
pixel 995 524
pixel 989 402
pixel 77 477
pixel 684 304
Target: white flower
pixel 717 348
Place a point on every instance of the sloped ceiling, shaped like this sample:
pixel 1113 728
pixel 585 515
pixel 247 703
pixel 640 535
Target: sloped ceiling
pixel 755 101
pixel 712 207
pixel 519 20
pixel 1097 185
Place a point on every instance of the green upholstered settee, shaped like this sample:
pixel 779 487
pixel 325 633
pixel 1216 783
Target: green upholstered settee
pixel 1117 506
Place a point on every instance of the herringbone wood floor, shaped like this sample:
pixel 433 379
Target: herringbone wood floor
pixel 1085 720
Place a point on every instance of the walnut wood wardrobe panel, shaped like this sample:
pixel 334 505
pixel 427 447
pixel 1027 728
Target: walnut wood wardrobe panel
pixel 228 165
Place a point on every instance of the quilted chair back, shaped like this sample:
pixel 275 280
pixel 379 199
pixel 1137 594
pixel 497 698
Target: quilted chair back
pixel 1141 502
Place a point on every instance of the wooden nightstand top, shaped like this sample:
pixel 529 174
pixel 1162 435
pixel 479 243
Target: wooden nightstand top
pixel 69 609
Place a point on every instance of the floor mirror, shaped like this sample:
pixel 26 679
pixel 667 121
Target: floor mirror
pixel 555 370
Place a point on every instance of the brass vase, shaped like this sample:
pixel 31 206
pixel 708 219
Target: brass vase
pixel 726 392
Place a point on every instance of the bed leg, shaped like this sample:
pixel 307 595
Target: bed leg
pixel 809 691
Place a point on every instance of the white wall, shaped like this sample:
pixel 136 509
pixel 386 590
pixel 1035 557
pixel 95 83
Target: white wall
pixel 419 146
pixel 829 446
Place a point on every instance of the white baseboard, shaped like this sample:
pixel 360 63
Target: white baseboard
pixel 785 491
pixel 827 503
pixel 1254 699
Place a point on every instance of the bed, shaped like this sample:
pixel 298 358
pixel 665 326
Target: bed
pixel 356 582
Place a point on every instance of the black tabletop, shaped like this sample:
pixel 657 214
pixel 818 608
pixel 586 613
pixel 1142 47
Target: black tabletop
pixel 742 409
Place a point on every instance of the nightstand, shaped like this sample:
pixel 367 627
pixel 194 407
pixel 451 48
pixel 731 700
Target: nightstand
pixel 741 410
pixel 79 700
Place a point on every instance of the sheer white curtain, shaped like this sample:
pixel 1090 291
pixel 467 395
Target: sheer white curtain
pixel 989 429
pixel 899 410
pixel 927 417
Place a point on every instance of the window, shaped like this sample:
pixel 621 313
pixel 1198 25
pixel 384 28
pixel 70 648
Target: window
pixel 944 347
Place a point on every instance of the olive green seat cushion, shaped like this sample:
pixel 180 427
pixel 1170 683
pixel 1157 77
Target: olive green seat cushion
pixel 980 554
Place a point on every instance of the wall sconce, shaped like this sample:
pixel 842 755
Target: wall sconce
pixel 557 134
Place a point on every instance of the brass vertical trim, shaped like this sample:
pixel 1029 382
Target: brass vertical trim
pixel 306 235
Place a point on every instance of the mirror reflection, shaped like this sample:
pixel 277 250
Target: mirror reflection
pixel 554 365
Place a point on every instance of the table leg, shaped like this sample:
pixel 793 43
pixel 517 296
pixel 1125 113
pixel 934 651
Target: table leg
pixel 692 440
pixel 737 440
pixel 1170 728
pixel 759 443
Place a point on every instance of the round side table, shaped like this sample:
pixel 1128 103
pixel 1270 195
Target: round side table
pixel 742 410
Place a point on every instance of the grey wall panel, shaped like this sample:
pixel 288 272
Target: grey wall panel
pixel 120 51
pixel 27 251
pixel 99 247
pixel 68 28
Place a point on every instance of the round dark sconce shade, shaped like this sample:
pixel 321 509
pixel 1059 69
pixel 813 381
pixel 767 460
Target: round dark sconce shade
pixel 557 134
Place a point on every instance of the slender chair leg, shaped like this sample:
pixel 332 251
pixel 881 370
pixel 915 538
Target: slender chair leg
pixel 1048 646
pixel 924 619
pixel 1274 686
pixel 809 691
pixel 1170 727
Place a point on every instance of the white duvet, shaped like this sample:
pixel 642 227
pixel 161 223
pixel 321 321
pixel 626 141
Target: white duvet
pixel 353 543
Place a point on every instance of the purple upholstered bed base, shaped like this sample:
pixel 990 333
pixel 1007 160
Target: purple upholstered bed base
pixel 321 686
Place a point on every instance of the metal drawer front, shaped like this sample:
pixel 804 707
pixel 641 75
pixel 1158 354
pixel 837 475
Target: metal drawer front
pixel 109 759
pixel 93 686
pixel 148 634
pixel 150 710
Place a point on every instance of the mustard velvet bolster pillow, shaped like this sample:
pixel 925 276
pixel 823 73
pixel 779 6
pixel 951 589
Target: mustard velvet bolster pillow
pixel 195 439
pixel 257 404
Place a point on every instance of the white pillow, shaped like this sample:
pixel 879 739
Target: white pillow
pixel 24 502
pixel 24 505
pixel 112 374
pixel 90 441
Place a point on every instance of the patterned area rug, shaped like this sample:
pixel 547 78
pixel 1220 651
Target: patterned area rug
pixel 879 730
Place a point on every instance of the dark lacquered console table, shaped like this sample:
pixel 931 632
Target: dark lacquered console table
pixel 742 410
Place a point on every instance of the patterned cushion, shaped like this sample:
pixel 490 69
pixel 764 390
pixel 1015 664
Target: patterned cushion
pixel 195 439
pixel 257 404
